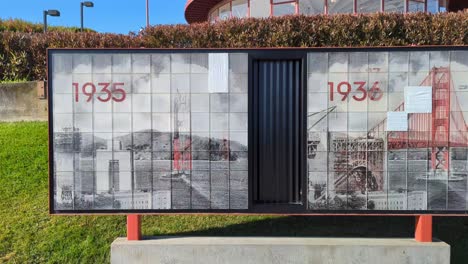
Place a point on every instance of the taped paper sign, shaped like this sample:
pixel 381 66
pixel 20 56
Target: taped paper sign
pixel 418 99
pixel 218 73
pixel 397 121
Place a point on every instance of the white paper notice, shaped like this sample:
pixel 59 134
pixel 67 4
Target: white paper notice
pixel 418 99
pixel 218 73
pixel 397 121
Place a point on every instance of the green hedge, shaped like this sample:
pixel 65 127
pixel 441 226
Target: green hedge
pixel 19 25
pixel 23 55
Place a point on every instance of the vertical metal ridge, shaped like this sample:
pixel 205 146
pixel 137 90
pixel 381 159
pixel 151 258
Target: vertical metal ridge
pixel 277 132
pixel 290 141
pixel 299 124
pixel 270 117
pixel 286 144
pixel 290 128
pixel 253 126
pixel 295 102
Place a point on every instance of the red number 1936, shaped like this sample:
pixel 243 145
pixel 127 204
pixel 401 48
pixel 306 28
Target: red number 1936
pixel 108 91
pixel 344 89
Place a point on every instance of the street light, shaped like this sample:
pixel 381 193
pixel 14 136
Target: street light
pixel 50 12
pixel 147 14
pixel 83 4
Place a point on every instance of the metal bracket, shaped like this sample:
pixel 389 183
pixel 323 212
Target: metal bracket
pixel 423 230
pixel 133 227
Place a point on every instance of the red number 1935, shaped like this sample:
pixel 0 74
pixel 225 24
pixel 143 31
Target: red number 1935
pixel 108 91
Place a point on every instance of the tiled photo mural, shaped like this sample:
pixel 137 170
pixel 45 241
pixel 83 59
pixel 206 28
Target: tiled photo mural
pixel 387 130
pixel 167 130
pixel 135 130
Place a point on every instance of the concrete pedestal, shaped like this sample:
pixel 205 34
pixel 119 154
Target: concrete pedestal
pixel 258 250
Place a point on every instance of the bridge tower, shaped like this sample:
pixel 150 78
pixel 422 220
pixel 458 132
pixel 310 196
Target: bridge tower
pixel 440 129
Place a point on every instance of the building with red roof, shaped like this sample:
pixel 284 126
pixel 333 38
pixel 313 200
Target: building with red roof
pixel 215 10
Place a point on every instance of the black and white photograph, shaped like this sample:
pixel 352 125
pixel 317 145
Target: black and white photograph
pixel 419 166
pixel 147 132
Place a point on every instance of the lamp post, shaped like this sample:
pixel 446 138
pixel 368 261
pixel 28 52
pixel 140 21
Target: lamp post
pixel 50 12
pixel 82 5
pixel 147 14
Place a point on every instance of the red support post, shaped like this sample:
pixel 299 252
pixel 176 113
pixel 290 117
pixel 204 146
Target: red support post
pixel 423 230
pixel 133 227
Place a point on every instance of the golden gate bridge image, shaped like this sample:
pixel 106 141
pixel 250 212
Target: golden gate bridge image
pixel 359 163
pixel 445 127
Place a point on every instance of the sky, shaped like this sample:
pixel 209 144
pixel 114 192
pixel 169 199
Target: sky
pixel 115 16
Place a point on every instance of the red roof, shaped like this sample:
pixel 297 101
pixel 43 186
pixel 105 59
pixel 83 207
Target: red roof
pixel 197 10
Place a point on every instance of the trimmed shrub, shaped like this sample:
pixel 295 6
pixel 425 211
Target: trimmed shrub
pixel 19 25
pixel 22 55
pixel 317 31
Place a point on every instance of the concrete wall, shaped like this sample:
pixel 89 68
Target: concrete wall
pixel 267 250
pixel 26 101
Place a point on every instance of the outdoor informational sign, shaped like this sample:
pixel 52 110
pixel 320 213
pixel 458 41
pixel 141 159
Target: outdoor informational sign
pixel 292 131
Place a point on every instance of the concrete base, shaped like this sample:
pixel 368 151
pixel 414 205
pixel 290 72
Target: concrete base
pixel 246 250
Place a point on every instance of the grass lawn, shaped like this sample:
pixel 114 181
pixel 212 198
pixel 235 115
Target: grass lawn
pixel 29 235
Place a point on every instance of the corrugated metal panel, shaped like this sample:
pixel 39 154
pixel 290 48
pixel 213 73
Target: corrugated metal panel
pixel 277 119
